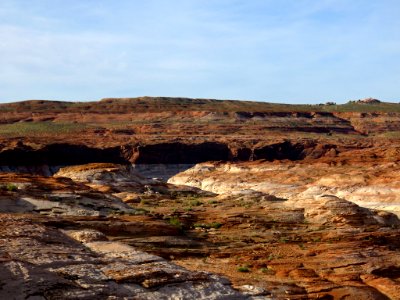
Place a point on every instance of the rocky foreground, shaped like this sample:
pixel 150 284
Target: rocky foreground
pixel 103 231
pixel 57 241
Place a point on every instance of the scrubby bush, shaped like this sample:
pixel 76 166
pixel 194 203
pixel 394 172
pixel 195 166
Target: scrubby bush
pixel 243 269
pixel 11 187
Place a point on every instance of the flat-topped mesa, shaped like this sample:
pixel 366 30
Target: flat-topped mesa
pixel 129 105
pixel 114 121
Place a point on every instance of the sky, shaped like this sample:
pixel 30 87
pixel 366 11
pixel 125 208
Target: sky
pixel 292 51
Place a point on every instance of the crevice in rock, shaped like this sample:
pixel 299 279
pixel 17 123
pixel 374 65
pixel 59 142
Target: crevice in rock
pixel 48 159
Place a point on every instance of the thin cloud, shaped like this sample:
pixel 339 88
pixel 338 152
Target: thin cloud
pixel 292 51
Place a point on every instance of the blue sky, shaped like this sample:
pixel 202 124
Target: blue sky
pixel 294 51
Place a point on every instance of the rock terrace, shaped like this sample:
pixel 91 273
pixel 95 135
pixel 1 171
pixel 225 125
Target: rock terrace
pixel 155 198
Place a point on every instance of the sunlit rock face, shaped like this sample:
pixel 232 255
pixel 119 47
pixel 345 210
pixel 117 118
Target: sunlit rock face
pixel 105 173
pixel 45 262
pixel 367 183
pixel 263 201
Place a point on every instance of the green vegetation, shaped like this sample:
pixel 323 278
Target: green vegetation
pixel 184 195
pixel 243 269
pixel 129 126
pixel 284 239
pixel 273 256
pixel 12 187
pixel 40 128
pixel 195 202
pixel 213 201
pixel 174 221
pixel 9 187
pixel 144 201
pixel 390 134
pixel 267 271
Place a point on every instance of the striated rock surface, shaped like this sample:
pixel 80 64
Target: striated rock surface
pixel 39 262
pixel 41 136
pixel 286 201
pixel 362 181
pixel 270 247
pixel 23 193
pixel 333 210
pixel 111 173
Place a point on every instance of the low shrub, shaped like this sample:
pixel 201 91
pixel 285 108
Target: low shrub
pixel 11 187
pixel 243 269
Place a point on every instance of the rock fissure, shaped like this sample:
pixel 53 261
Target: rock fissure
pixel 51 158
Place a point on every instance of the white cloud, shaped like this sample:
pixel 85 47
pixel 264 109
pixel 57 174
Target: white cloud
pixel 259 49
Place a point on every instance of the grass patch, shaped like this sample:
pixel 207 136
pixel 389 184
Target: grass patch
pixel 9 187
pixel 274 256
pixel 144 201
pixel 174 221
pixel 195 202
pixel 40 128
pixel 316 240
pixel 390 134
pixel 243 269
pixel 284 239
pixel 212 201
pixel 267 271
pixel 188 195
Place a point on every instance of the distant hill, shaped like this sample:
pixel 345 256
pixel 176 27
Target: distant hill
pixel 159 104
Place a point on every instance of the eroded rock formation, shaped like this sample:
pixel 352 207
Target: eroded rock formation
pixel 40 262
pixel 284 202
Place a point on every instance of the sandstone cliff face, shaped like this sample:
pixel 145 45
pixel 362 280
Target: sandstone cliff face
pixel 350 118
pixel 184 131
pixel 365 183
pixel 44 160
pixel 373 122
